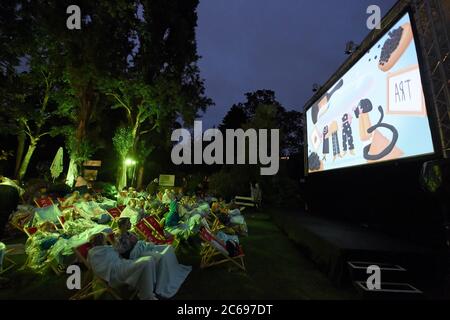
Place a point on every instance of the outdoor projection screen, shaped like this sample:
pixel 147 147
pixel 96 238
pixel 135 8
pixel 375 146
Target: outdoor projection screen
pixel 375 112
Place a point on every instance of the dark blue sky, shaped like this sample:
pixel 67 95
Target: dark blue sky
pixel 283 45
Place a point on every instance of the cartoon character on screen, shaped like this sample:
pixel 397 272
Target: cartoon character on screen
pixel 335 139
pixel 326 143
pixel 380 147
pixel 347 135
pixel 323 104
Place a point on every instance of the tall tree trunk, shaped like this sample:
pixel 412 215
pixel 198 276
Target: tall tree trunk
pixel 27 158
pixel 19 153
pixel 140 177
pixel 122 176
pixel 87 102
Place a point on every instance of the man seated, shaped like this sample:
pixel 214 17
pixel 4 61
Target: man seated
pixel 107 264
pixel 170 275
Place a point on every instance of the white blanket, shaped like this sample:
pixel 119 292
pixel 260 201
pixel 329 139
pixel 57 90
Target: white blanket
pixel 64 247
pixel 139 274
pixel 170 275
pixel 134 215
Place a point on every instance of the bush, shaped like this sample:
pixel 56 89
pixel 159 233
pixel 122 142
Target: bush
pixel 231 181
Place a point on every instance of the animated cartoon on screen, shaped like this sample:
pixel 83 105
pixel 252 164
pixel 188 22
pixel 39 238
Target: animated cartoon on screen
pixel 376 111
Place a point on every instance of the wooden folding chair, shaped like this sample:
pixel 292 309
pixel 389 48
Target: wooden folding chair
pixel 43 202
pixel 146 232
pixel 114 213
pixel 216 224
pixel 58 269
pixel 159 232
pixel 7 260
pixel 30 230
pixel 20 224
pixel 88 290
pixel 211 255
pixel 62 221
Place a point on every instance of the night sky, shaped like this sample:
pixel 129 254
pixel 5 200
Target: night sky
pixel 282 45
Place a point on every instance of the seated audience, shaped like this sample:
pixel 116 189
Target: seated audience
pixel 107 264
pixel 170 275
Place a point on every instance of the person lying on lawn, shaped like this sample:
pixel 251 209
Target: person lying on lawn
pixel 169 273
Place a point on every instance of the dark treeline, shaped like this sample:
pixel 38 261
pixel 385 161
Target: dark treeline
pixel 115 90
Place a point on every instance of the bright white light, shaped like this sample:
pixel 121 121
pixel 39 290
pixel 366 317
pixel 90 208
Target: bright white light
pixel 130 162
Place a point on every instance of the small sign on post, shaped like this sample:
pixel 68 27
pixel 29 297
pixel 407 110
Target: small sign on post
pixel 89 173
pixel 167 180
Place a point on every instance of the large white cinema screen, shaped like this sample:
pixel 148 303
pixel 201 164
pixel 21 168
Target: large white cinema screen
pixel 375 112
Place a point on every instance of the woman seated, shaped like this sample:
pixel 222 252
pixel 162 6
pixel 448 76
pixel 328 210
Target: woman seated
pixel 170 275
pixel 107 264
pixel 124 239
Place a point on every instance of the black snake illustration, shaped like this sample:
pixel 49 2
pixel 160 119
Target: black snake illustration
pixel 390 147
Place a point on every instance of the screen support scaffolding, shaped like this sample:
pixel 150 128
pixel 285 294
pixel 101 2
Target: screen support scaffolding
pixel 432 24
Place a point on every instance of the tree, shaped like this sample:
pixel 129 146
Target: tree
pixel 257 98
pixel 36 117
pixel 84 58
pixel 235 118
pixel 29 107
pixel 123 143
pixel 162 81
pixel 15 38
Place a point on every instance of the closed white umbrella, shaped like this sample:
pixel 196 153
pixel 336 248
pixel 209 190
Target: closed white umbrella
pixel 57 164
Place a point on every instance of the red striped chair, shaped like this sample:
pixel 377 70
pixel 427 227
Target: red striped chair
pixel 88 289
pixel 214 252
pixel 114 213
pixel 159 233
pixel 43 202
pixel 146 232
pixel 30 230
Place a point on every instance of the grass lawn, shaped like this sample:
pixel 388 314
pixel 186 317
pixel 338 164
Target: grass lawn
pixel 276 269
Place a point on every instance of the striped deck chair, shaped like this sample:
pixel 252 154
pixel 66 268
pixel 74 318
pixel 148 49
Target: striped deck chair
pixel 8 263
pixel 43 202
pixel 114 213
pixel 58 269
pixel 216 224
pixel 30 230
pixel 88 289
pixel 214 252
pixel 159 233
pixel 146 232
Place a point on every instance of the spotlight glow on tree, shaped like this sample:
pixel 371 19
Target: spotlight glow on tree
pixel 129 162
pixel 123 142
